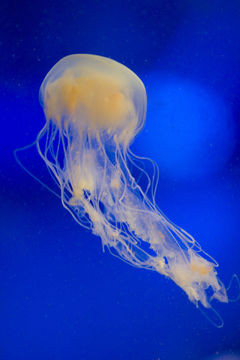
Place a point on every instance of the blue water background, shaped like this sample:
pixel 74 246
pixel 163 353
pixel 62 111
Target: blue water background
pixel 61 297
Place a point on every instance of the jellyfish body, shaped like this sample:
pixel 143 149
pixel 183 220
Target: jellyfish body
pixel 94 107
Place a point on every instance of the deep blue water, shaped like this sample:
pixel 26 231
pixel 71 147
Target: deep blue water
pixel 61 297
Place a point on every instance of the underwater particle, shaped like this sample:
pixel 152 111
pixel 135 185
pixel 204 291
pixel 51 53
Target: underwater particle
pixel 94 107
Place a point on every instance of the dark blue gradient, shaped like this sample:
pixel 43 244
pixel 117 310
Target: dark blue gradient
pixel 61 297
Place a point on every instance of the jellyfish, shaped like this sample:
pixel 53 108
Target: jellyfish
pixel 94 107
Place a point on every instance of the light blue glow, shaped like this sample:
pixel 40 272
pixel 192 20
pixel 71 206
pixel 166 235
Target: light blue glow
pixel 189 131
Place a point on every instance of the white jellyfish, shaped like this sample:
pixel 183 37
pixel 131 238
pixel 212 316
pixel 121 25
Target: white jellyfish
pixel 94 107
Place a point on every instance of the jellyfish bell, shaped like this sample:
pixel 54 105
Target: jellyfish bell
pixel 94 93
pixel 94 107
